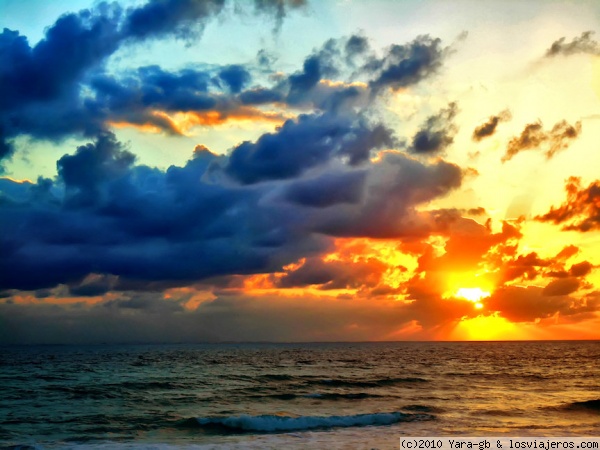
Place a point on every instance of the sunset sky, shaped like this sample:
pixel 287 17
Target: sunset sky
pixel 288 170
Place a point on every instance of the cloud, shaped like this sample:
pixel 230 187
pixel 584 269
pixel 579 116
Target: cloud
pixel 92 166
pixel 106 222
pixel 335 274
pixel 335 57
pixel 489 128
pixel 526 304
pixel 235 77
pixel 581 269
pixel 57 88
pixel 437 133
pixel 149 317
pixel 524 267
pixel 278 8
pixel 581 210
pixel 581 44
pixel 259 96
pixel 173 102
pixel 404 65
pixel 355 46
pixel 393 188
pixel 87 100
pixel 105 215
pixel 328 189
pixel 567 252
pixel 78 42
pixel 303 81
pixel 352 58
pixel 280 229
pixel 93 285
pixel 73 44
pixel 561 286
pixel 186 18
pixel 304 143
pixel 6 148
pixel 534 136
pixel 181 18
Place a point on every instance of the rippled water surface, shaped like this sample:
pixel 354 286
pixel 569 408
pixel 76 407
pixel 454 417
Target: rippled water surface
pixel 295 395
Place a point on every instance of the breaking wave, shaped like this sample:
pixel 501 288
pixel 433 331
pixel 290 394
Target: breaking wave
pixel 272 424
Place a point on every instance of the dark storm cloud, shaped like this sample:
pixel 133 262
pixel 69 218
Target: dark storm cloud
pixel 352 58
pixel 524 266
pixel 136 97
pixel 437 133
pixel 32 79
pixel 534 136
pixel 324 63
pixel 59 87
pixel 6 148
pixel 303 81
pixel 235 77
pixel 561 286
pixel 43 90
pixel 581 269
pixel 519 304
pixel 110 214
pixel 185 18
pixel 303 143
pixel 259 96
pixel 581 44
pixel 178 17
pixel 355 45
pixel 87 100
pixel 104 216
pixel 106 223
pixel 93 285
pixel 489 128
pixel 328 189
pixel 74 43
pixel 581 210
pixel 77 42
pixel 92 166
pixel 393 188
pixel 404 65
pixel 532 266
pixel 334 274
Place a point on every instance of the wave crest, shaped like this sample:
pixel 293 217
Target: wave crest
pixel 271 423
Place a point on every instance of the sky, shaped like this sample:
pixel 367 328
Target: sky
pixel 293 170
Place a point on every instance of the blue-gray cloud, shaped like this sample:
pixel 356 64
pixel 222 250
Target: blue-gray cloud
pixel 44 90
pixel 106 222
pixel 105 215
pixel 437 133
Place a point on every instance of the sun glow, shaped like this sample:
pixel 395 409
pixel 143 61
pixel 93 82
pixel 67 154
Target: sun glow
pixel 485 328
pixel 473 295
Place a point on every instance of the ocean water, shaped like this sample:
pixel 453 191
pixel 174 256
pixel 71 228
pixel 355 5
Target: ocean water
pixel 261 396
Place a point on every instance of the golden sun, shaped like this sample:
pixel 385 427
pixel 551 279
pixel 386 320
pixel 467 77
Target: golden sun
pixel 473 295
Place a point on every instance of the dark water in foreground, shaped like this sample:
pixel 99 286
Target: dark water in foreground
pixel 295 395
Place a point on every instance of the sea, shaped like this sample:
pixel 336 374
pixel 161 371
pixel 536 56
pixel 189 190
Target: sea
pixel 294 396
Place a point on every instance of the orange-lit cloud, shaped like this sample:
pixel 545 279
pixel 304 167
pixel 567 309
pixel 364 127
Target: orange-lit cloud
pixel 534 136
pixel 489 127
pixel 182 122
pixel 581 210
